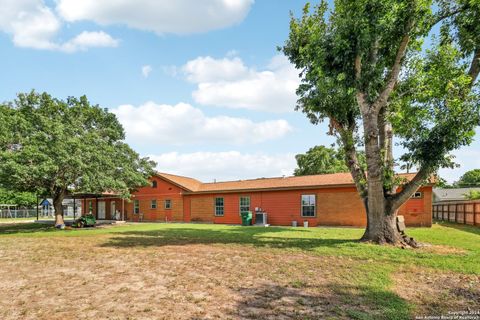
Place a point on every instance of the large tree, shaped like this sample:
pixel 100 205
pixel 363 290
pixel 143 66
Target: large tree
pixel 52 147
pixel 374 70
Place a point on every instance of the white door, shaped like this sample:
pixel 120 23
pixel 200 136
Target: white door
pixel 101 210
pixel 113 214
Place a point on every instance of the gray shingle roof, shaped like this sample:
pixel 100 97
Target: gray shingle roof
pixel 451 194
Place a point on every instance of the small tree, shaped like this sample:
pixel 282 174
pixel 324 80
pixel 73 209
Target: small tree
pixel 473 195
pixel 470 179
pixel 22 199
pixel 364 69
pixel 53 146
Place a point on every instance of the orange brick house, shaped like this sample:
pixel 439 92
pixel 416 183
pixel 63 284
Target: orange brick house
pixel 329 200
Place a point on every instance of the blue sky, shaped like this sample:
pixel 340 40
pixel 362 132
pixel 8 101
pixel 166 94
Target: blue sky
pixel 198 85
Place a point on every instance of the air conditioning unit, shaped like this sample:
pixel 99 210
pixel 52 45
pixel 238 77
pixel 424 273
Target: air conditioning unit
pixel 261 218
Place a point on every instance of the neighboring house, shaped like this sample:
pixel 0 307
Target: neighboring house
pixel 453 194
pixel 329 199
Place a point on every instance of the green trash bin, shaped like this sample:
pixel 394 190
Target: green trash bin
pixel 247 218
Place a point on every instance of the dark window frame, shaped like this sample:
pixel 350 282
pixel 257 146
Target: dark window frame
pixel 218 207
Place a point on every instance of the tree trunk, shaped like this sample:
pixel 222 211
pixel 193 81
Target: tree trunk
pixel 57 205
pixel 381 226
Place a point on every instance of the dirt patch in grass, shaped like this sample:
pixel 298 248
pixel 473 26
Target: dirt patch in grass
pixel 439 249
pixel 173 274
pixel 78 278
pixel 436 293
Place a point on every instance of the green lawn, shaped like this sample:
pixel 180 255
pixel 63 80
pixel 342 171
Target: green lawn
pixel 13 220
pixel 367 284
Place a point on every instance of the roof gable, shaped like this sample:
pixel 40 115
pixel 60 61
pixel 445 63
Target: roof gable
pixel 186 183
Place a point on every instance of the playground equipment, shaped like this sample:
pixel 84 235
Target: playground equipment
pixel 8 211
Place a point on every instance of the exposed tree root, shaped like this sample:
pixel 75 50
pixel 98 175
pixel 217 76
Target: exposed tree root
pixel 401 240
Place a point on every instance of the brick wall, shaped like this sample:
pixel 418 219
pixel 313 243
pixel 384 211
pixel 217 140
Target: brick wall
pixel 418 212
pixel 164 191
pixel 334 206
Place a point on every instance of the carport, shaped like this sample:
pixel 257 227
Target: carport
pixel 94 200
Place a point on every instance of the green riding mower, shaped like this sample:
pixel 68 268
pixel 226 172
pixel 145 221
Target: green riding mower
pixel 85 221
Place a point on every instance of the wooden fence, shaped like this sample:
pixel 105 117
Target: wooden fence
pixel 466 212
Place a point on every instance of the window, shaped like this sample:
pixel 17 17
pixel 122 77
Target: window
pixel 219 207
pixel 90 206
pixel 417 195
pixel 153 204
pixel 168 204
pixel 308 205
pixel 244 204
pixel 154 184
pixel 136 206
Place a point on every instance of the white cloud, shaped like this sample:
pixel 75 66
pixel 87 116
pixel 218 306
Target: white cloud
pixel 159 16
pixel 87 40
pixel 229 83
pixel 32 24
pixel 207 69
pixel 146 71
pixel 181 124
pixel 230 165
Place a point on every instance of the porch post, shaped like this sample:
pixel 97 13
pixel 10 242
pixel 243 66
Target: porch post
pixel 74 207
pixel 123 209
pixel 96 207
pixel 37 206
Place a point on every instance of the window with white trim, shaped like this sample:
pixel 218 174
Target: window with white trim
pixel 308 205
pixel 244 204
pixel 153 204
pixel 219 207
pixel 168 204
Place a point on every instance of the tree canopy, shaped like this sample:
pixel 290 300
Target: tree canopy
pixel 322 160
pixel 52 146
pixel 365 67
pixel 22 199
pixel 473 195
pixel 470 179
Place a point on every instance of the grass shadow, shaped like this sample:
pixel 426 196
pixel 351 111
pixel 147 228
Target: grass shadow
pixel 255 236
pixel 461 227
pixel 331 301
pixel 13 228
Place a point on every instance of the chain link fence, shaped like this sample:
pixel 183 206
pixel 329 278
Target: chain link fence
pixel 13 212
